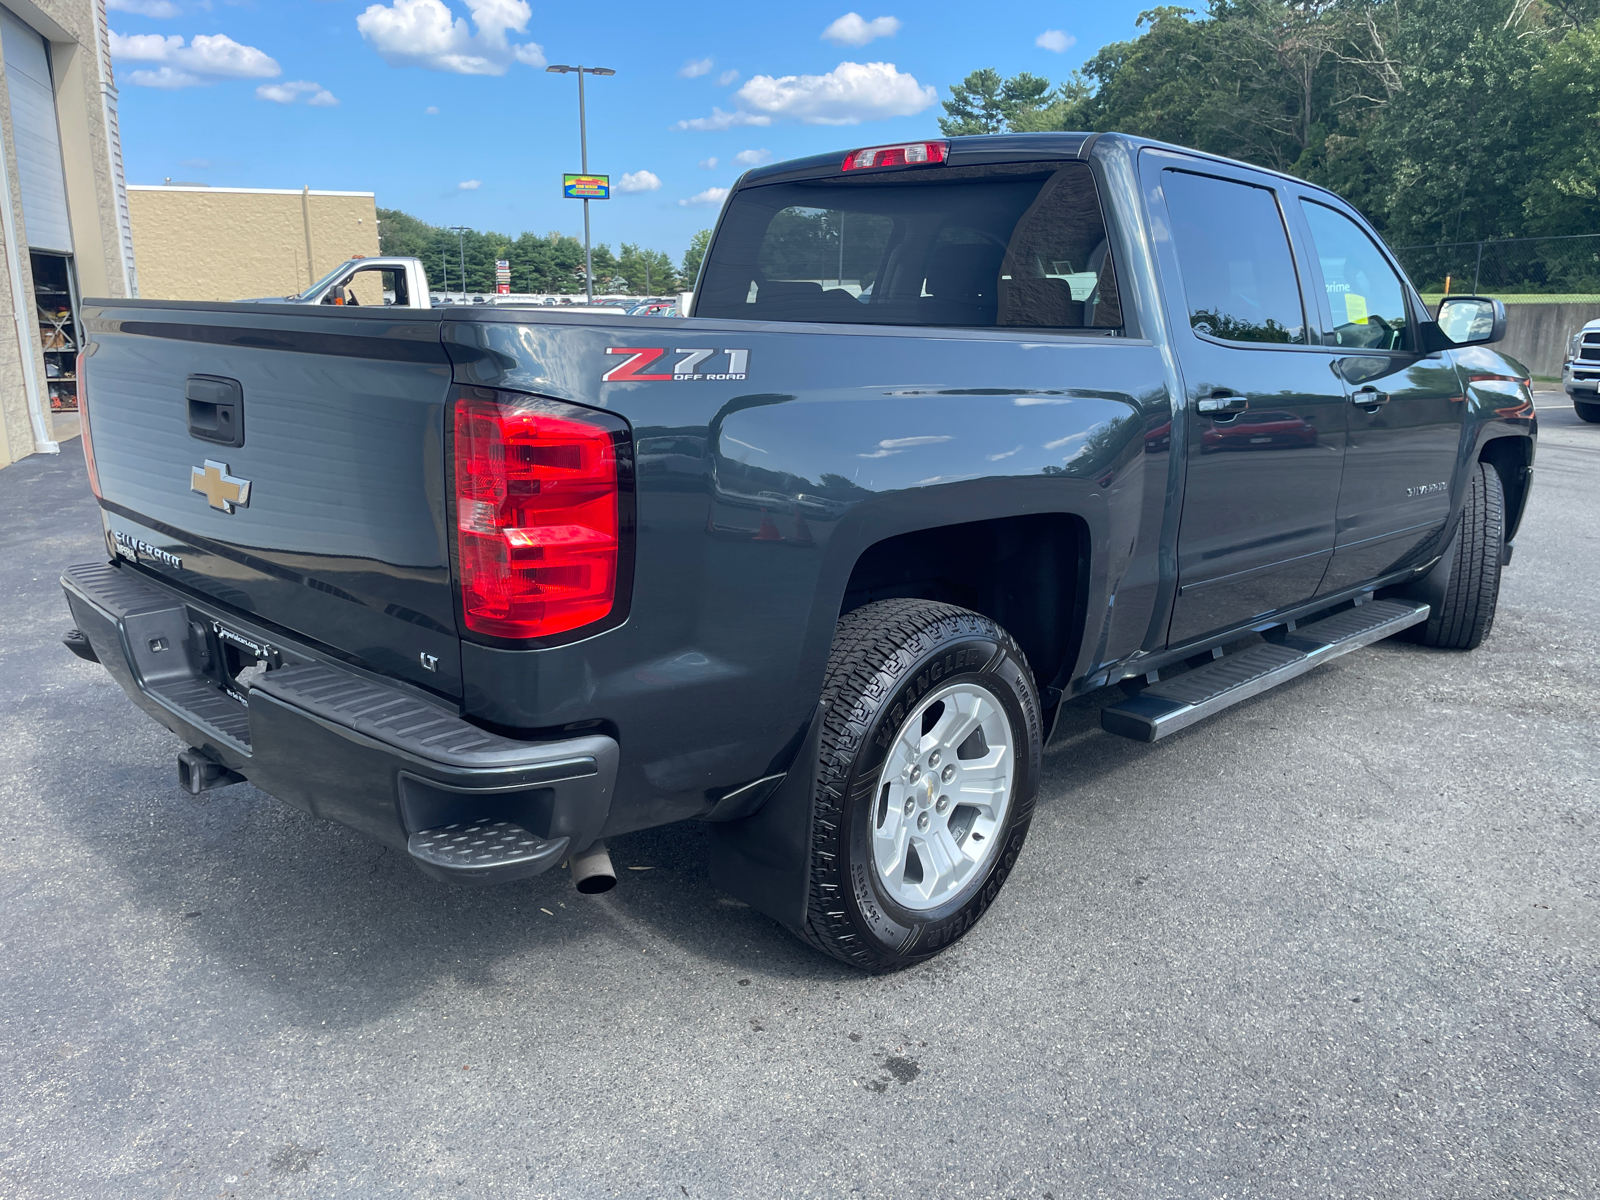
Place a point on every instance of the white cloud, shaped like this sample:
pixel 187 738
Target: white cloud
pixel 709 164
pixel 144 47
pixel 727 77
pixel 723 120
pixel 469 185
pixel 284 93
pixel 425 33
pixel 288 93
pixel 847 95
pixel 160 9
pixel 852 30
pixel 638 181
pixel 705 199
pixel 1055 39
pixel 752 158
pixel 695 68
pixel 894 445
pixel 221 55
pixel 207 58
pixel 167 78
pixel 432 110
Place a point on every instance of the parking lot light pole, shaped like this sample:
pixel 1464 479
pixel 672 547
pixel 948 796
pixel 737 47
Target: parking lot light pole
pixel 583 146
pixel 461 232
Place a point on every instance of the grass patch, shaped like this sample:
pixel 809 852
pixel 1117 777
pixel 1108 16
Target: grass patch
pixel 1433 298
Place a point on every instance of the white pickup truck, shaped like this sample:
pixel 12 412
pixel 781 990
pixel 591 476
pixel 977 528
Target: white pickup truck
pixel 1580 374
pixel 394 282
pixel 400 282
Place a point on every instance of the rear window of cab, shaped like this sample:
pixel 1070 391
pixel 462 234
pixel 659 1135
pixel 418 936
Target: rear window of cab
pixel 1018 245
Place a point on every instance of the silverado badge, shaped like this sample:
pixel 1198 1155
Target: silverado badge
pixel 220 489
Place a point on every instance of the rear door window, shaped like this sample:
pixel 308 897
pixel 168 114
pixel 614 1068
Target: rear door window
pixel 1239 280
pixel 1021 245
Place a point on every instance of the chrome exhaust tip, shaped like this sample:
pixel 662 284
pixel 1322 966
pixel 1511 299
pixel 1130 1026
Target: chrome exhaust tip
pixel 592 872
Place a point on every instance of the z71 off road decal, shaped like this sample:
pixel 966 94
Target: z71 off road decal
pixel 641 358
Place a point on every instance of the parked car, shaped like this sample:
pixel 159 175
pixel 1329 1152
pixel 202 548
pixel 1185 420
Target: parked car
pixel 1259 431
pixel 816 567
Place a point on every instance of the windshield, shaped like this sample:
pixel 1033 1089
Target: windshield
pixel 1020 245
pixel 323 282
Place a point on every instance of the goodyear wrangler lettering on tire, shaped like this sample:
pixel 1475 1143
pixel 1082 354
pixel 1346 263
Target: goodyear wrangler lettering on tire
pixel 928 766
pixel 948 663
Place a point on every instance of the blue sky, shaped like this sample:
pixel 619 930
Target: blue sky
pixel 444 109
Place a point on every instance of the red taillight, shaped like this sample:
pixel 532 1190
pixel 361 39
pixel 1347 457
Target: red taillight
pixel 83 428
pixel 907 154
pixel 537 519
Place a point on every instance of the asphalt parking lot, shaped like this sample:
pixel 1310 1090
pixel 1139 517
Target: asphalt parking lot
pixel 1343 941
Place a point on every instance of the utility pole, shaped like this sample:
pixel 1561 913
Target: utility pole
pixel 583 145
pixel 461 232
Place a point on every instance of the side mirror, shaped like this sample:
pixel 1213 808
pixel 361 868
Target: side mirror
pixel 1472 320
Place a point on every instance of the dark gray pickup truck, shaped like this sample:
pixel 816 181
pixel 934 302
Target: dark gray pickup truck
pixel 955 430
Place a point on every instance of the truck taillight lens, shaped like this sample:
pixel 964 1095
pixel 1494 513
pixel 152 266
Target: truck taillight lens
pixel 83 428
pixel 908 154
pixel 538 517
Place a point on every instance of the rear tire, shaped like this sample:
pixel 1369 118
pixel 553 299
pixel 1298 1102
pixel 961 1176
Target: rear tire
pixel 928 765
pixel 1465 614
pixel 1586 411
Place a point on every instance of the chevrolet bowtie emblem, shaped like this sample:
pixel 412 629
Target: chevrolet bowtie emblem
pixel 219 488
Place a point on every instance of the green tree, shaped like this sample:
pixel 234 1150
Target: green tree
pixel 983 102
pixel 1443 120
pixel 647 271
pixel 551 262
pixel 1565 90
pixel 694 255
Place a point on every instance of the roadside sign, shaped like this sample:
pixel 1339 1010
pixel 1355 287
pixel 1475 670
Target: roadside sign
pixel 586 187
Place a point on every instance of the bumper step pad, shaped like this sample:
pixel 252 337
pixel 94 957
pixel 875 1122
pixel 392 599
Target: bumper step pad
pixel 482 851
pixel 1174 704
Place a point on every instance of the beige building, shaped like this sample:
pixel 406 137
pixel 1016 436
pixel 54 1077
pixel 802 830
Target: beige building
pixel 64 230
pixel 221 243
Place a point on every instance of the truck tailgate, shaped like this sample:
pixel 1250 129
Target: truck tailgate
pixel 341 539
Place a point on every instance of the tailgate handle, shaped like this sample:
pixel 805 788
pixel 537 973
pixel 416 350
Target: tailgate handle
pixel 216 409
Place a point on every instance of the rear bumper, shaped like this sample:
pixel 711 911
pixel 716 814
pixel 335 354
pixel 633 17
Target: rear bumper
pixel 341 745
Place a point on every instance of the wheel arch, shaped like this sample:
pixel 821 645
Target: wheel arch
pixel 1028 572
pixel 1511 456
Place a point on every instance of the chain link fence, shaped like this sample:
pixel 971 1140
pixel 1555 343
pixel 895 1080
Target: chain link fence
pixel 1551 269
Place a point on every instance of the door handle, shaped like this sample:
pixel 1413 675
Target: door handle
pixel 1369 397
pixel 1222 402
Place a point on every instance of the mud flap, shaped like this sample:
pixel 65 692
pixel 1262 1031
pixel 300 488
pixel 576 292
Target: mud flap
pixel 765 859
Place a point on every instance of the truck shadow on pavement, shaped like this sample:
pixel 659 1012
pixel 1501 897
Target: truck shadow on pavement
pixel 335 927
pixel 341 929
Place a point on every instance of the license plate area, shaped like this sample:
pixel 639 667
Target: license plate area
pixel 232 659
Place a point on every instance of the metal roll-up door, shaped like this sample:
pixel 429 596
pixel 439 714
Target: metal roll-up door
pixel 40 178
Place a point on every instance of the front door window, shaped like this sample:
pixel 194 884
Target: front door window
pixel 1364 294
